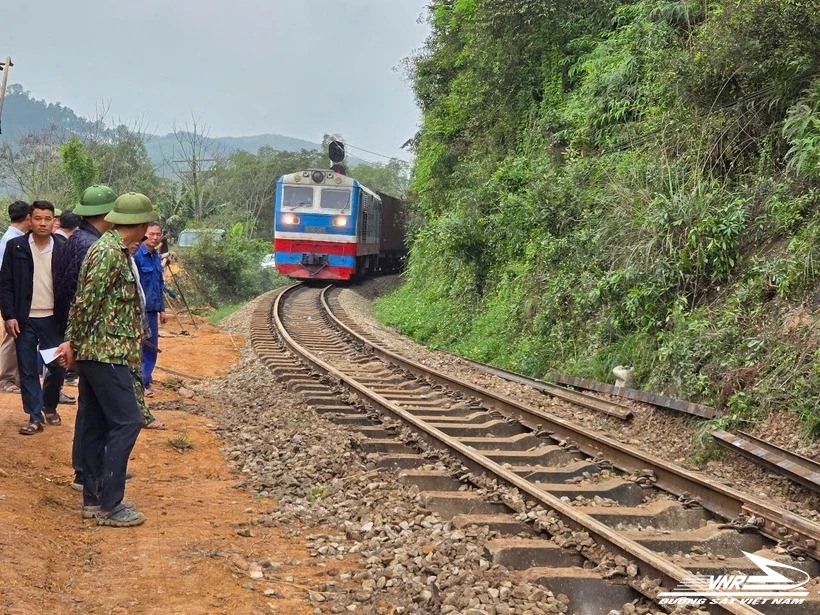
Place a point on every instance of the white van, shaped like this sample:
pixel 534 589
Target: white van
pixel 268 261
pixel 191 237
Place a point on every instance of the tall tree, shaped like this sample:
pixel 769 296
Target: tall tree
pixel 80 167
pixel 391 178
pixel 30 166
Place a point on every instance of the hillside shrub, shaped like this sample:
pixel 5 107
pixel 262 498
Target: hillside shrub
pixel 228 270
pixel 604 183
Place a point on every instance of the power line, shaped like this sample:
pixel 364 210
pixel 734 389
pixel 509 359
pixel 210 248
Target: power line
pixel 361 149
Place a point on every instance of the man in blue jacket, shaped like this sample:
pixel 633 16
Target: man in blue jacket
pixel 149 264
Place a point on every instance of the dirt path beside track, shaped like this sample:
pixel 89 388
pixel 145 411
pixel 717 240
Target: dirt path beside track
pixel 192 554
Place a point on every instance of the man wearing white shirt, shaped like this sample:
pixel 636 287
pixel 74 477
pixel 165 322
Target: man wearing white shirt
pixel 19 214
pixel 27 303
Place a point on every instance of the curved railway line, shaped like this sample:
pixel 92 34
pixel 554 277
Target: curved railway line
pixel 585 515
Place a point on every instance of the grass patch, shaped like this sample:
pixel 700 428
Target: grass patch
pixel 181 443
pixel 50 501
pixel 223 311
pixel 172 383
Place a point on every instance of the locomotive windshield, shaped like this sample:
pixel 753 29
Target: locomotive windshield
pixel 297 196
pixel 335 198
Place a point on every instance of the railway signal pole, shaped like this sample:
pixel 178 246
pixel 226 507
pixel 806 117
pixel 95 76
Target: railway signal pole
pixel 336 153
pixel 5 67
pixel 192 161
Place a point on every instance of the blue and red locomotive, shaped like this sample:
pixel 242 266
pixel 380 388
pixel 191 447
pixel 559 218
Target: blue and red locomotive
pixel 327 226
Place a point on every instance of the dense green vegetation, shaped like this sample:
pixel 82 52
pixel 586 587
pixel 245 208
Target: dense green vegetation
pixel 228 271
pixel 603 183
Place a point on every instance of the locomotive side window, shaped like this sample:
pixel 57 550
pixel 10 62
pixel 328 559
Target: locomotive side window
pixel 297 196
pixel 335 198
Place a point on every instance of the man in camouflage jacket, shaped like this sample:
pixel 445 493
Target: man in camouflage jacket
pixel 104 335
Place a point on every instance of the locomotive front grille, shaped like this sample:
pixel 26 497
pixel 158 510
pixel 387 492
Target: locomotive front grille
pixel 314 260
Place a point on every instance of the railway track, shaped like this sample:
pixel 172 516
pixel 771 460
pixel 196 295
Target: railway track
pixel 796 467
pixel 621 522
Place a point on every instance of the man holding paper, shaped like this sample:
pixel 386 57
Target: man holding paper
pixel 27 306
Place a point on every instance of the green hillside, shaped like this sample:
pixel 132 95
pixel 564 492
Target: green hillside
pixel 23 114
pixel 635 183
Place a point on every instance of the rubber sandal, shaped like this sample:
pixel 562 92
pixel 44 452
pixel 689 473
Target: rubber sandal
pixel 53 418
pixel 120 517
pixel 31 429
pixel 155 424
pixel 90 512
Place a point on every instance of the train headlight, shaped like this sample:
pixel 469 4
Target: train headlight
pixel 290 219
pixel 318 177
pixel 340 221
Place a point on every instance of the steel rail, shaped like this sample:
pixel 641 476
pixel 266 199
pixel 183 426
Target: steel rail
pixel 556 390
pixel 651 565
pixel 724 501
pixel 636 394
pixel 796 467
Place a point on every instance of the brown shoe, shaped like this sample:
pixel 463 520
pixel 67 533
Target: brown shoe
pixel 53 417
pixel 31 429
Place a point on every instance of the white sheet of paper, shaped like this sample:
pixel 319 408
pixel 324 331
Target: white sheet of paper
pixel 48 354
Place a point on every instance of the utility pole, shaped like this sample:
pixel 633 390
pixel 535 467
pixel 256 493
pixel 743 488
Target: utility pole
pixel 5 67
pixel 193 161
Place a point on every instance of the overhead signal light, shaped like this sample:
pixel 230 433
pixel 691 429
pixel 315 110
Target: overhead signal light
pixel 336 151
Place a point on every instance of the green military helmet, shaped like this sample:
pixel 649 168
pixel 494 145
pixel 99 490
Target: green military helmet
pixel 132 208
pixel 96 200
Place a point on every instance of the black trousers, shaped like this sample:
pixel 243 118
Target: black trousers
pixel 111 423
pixel 43 333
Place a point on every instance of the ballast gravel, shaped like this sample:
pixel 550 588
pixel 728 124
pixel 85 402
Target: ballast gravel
pixel 383 552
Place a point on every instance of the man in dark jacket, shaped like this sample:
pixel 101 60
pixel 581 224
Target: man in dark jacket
pixel 29 304
pixel 20 217
pixel 94 205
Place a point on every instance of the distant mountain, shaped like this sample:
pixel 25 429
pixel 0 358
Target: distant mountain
pixel 23 114
pixel 162 148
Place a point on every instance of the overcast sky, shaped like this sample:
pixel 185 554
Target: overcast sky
pixel 300 68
